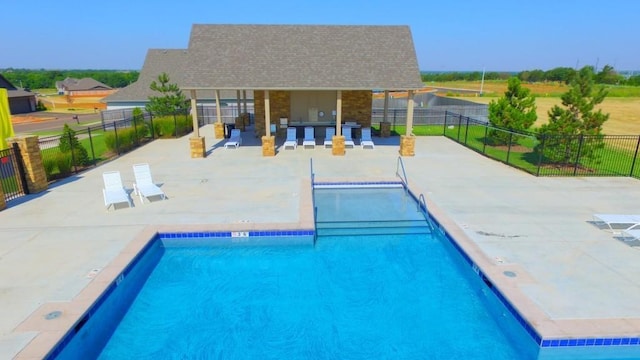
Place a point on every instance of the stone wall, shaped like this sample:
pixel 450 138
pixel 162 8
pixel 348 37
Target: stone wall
pixel 279 105
pixel 356 105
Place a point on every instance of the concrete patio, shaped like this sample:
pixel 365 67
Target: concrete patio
pixel 573 278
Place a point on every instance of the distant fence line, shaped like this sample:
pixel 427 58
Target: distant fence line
pixel 206 114
pixel 550 155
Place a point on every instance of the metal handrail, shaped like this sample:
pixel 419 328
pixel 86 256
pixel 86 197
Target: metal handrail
pixel 422 207
pixel 400 165
pixel 313 201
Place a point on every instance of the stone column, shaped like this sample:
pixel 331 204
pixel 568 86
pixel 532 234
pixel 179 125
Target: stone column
pixel 337 145
pixel 196 142
pixel 408 141
pixel 32 160
pixel 218 127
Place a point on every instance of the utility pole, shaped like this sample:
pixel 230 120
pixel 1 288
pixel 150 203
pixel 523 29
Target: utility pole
pixel 482 82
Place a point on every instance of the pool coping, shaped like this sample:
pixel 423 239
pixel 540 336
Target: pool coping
pixel 549 332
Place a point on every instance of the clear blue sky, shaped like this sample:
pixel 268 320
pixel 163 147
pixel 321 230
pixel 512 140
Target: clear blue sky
pixel 449 35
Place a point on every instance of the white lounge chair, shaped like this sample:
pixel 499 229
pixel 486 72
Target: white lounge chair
pixel 366 138
pixel 309 137
pixel 330 132
pixel 291 140
pixel 144 186
pixel 620 220
pixel 346 132
pixel 235 139
pixel 114 192
pixel 631 233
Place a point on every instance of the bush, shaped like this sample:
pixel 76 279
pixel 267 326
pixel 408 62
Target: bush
pixel 40 106
pixel 167 126
pixel 64 163
pixel 126 140
pixel 49 167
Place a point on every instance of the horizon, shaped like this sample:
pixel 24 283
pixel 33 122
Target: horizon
pixel 452 37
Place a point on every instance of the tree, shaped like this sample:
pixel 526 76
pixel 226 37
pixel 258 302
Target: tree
pixel 608 75
pixel 69 144
pixel 563 138
pixel 515 111
pixel 172 100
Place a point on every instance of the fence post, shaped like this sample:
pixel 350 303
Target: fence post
pixel 153 132
pixel 73 153
pixel 509 147
pixel 575 166
pixel 115 133
pixel 394 119
pixel 459 126
pixel 484 142
pixel 466 132
pixel 444 127
pixel 175 126
pixel 93 153
pixel 635 157
pixel 544 138
pixel 135 130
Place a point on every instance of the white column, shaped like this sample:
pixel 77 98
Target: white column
pixel 386 106
pixel 218 110
pixel 409 112
pixel 267 113
pixel 194 114
pixel 244 100
pixel 339 113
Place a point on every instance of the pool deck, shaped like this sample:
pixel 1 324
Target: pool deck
pixel 59 248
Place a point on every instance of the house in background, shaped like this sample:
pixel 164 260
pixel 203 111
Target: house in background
pixel 82 87
pixel 20 101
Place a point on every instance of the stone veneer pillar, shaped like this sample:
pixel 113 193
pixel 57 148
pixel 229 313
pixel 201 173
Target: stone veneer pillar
pixel 385 129
pixel 268 146
pixel 337 146
pixel 197 147
pixel 218 130
pixel 407 145
pixel 32 160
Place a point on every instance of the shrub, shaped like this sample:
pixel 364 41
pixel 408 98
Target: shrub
pixel 49 167
pixel 40 106
pixel 64 162
pixel 126 140
pixel 167 126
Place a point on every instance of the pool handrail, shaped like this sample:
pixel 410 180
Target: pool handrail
pixel 313 201
pixel 422 207
pixel 400 165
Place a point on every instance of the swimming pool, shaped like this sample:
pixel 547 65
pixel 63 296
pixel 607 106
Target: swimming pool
pixel 398 295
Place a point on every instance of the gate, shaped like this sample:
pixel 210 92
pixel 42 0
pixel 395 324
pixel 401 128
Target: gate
pixel 12 174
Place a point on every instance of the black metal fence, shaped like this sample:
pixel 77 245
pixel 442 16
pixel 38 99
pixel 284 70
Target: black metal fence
pixel 76 150
pixel 582 155
pixel 426 116
pixel 12 173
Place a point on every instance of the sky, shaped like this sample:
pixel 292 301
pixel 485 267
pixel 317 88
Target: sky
pixel 449 35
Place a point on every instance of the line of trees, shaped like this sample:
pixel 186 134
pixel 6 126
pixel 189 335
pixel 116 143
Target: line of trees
pixel 607 75
pixel 46 79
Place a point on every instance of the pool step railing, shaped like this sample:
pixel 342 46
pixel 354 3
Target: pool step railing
pixel 382 227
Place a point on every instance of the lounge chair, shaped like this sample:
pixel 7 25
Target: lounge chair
pixel 330 132
pixel 616 219
pixel 235 139
pixel 346 132
pixel 309 137
pixel 144 186
pixel 114 192
pixel 366 138
pixel 631 233
pixel 292 140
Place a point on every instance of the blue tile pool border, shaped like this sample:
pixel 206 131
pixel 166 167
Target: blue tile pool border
pixel 229 234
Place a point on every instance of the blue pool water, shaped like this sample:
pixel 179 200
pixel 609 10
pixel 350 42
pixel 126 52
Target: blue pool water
pixel 395 297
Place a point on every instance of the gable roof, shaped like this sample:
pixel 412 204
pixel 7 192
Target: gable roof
pixel 71 84
pixel 312 57
pixel 156 62
pixel 12 91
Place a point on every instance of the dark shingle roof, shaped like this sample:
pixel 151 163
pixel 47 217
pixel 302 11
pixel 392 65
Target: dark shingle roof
pixel 301 57
pixel 156 62
pixel 71 84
